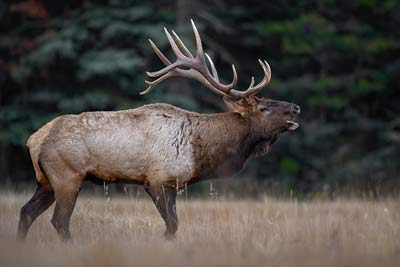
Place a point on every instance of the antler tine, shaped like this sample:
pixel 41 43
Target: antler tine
pixel 213 69
pixel 199 46
pixel 174 47
pixel 252 82
pixel 235 77
pixel 160 55
pixel 252 90
pixel 152 84
pixel 268 70
pixel 182 45
pixel 267 74
pixel 148 89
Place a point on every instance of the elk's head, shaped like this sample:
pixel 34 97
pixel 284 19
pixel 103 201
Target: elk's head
pixel 269 118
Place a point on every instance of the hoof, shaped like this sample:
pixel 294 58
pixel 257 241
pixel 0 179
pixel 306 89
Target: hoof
pixel 169 236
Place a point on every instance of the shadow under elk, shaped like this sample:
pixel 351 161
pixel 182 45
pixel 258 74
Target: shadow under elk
pixel 162 147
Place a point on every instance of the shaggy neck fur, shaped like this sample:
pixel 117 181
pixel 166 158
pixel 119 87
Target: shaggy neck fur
pixel 223 142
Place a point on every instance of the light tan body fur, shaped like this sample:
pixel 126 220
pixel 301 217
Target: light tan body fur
pixel 127 145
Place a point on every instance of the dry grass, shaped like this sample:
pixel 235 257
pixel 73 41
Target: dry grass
pixel 127 231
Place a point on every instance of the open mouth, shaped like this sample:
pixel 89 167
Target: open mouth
pixel 291 125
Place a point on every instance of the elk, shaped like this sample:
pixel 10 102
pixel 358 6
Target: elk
pixel 159 146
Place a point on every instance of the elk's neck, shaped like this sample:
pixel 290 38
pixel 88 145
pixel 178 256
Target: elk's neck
pixel 222 144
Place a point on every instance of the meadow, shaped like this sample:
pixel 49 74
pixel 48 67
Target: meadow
pixel 128 231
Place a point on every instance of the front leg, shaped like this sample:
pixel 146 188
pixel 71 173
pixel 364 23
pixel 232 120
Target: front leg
pixel 164 197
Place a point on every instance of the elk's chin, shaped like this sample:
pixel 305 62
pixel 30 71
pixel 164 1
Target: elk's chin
pixel 291 125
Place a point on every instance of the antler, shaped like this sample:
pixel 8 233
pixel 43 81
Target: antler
pixel 196 68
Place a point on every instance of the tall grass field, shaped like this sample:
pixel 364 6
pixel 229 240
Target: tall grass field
pixel 128 231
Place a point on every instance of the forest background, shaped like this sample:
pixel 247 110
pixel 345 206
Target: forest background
pixel 338 60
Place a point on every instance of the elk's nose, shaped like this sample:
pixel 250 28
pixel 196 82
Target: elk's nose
pixel 296 109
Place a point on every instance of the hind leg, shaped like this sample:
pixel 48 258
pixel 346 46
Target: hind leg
pixel 40 202
pixel 65 203
pixel 66 184
pixel 64 162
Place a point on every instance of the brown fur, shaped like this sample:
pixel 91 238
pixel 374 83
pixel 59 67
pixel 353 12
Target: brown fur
pixel 159 146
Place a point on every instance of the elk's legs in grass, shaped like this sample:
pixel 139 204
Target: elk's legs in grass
pixel 164 197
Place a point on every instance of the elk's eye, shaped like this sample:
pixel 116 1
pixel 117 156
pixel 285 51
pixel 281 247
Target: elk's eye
pixel 264 109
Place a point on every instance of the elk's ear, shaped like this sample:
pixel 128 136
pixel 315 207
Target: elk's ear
pixel 234 106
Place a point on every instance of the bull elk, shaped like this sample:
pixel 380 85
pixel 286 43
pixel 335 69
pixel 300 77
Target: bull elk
pixel 162 147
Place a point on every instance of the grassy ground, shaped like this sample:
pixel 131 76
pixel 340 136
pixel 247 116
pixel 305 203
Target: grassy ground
pixel 128 231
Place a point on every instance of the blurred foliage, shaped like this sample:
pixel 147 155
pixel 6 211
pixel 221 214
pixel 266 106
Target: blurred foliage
pixel 339 60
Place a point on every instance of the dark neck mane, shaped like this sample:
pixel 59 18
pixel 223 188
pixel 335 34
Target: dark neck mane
pixel 222 144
